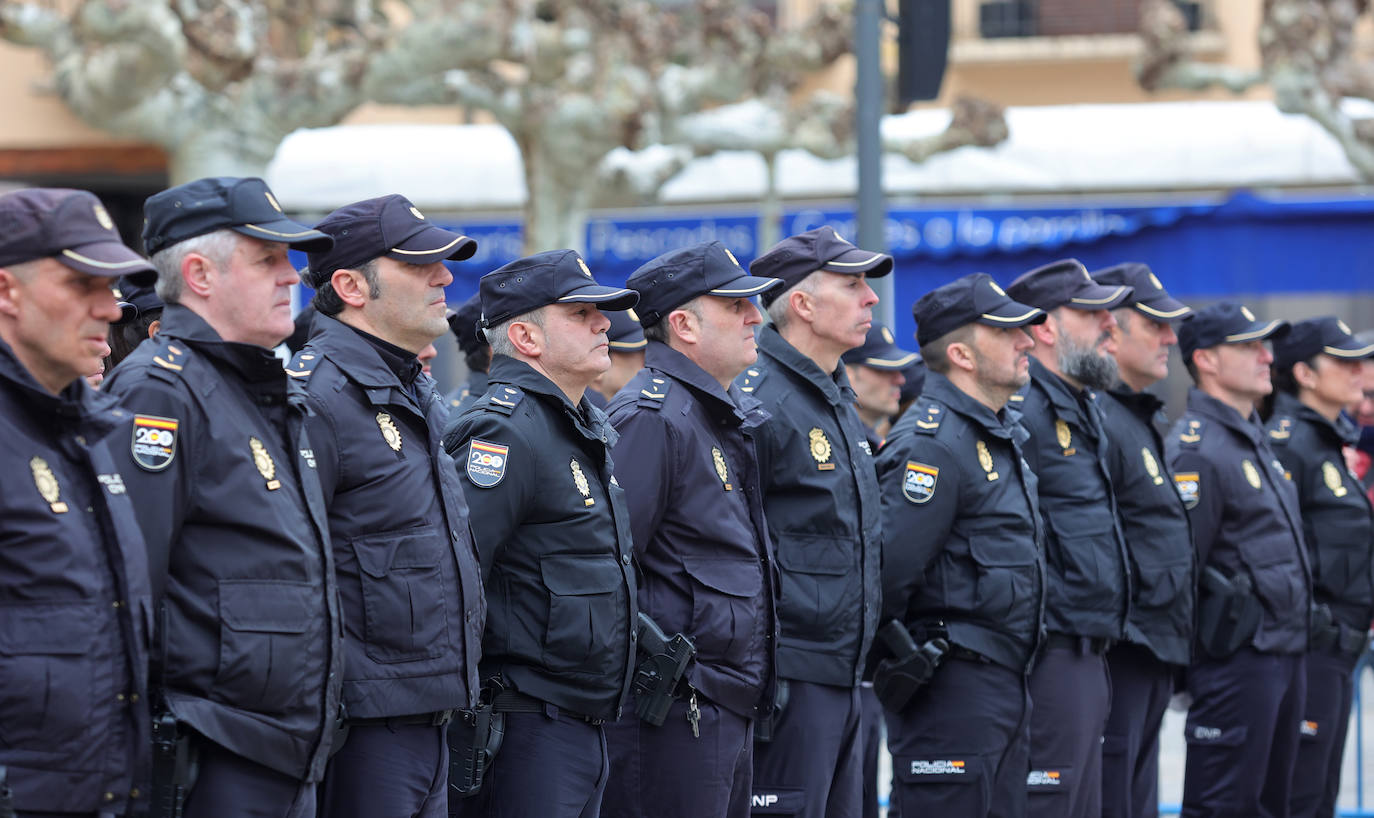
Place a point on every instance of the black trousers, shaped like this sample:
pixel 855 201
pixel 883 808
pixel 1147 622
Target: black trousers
pixel 1326 719
pixel 387 771
pixel 1141 687
pixel 1242 733
pixel 812 767
pixel 231 786
pixel 1070 697
pixel 550 765
pixel 870 744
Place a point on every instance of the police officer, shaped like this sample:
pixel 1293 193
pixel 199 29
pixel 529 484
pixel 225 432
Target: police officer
pixel 1089 577
pixel 73 576
pixel 1318 369
pixel 962 559
pixel 409 583
pixel 820 495
pixel 627 345
pixel 876 374
pixel 476 355
pixel 686 460
pixel 139 319
pixel 1247 678
pixel 1159 626
pixel 553 535
pixel 248 659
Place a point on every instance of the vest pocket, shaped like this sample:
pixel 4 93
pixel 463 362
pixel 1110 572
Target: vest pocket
pixel 1005 585
pixel 270 642
pixel 405 618
pixel 723 606
pixel 587 613
pixel 47 675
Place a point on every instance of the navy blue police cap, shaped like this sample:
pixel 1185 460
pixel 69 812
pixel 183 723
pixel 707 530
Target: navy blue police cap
pixel 915 374
pixel 71 226
pixel 1327 335
pixel 879 351
pixel 551 277
pixel 1148 297
pixel 676 277
pixel 244 205
pixel 386 226
pixel 1066 283
pixel 796 257
pixel 972 299
pixel 136 299
pixel 625 334
pixel 463 321
pixel 1224 323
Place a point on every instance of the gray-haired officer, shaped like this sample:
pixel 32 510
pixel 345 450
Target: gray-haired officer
pixel 1089 575
pixel 876 374
pixel 73 634
pixel 1318 369
pixel 553 536
pixel 821 499
pixel 963 565
pixel 409 583
pixel 627 345
pixel 249 660
pixel 476 355
pixel 1247 678
pixel 686 459
pixel 1159 627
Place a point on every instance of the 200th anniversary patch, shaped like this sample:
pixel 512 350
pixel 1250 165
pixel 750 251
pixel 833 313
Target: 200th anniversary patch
pixel 918 483
pixel 486 462
pixel 154 442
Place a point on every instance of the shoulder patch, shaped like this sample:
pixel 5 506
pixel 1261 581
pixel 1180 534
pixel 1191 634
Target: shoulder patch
pixel 501 399
pixel 154 442
pixel 303 364
pixel 486 462
pixel 750 379
pixel 1189 487
pixel 928 416
pixel 653 394
pixel 1191 433
pixel 1281 430
pixel 918 482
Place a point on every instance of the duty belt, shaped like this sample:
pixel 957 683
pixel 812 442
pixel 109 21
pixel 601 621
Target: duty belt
pixel 511 701
pixel 1082 644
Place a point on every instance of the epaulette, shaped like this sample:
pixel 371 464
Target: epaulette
pixel 169 360
pixel 303 364
pixel 1017 397
pixel 1280 435
pixel 1191 435
pixel 750 379
pixel 501 399
pixel 653 395
pixel 928 416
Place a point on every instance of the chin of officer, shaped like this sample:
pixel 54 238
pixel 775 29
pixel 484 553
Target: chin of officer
pixel 409 583
pixel 963 567
pixel 551 529
pixel 686 459
pixel 249 659
pixel 1317 369
pixel 821 500
pixel 1247 678
pixel 74 723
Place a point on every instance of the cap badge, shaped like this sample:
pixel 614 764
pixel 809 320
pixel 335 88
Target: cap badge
pixel 820 449
pixel 103 216
pixel 997 289
pixel 731 256
pixel 583 265
pixel 1343 327
pixel 272 200
pixel 390 433
pixel 580 480
pixel 1065 437
pixel 46 482
pixel 486 463
pixel 1155 281
pixel 415 211
pixel 1332 476
pixel 719 460
pixel 918 485
pixel 1249 316
pixel 985 460
pixel 263 461
pixel 1151 466
pixel 887 336
pixel 1251 474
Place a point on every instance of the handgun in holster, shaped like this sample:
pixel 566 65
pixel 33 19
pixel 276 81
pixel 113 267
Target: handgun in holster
pixel 658 679
pixel 1323 633
pixel 897 679
pixel 766 724
pixel 1229 613
pixel 474 739
pixel 6 795
pixel 174 767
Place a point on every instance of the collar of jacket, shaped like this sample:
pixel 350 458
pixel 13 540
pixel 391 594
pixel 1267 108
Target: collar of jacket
pixel 834 386
pixel 730 405
pixel 1144 405
pixel 1208 406
pixel 77 406
pixel 590 421
pixel 354 353
pixel 1342 432
pixel 258 366
pixel 938 387
pixel 1062 395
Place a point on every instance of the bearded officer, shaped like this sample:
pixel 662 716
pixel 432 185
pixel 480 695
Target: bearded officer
pixel 553 535
pixel 73 575
pixel 248 660
pixel 409 582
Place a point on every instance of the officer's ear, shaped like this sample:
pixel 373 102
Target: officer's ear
pixel 154 327
pixel 526 337
pixel 350 287
pixel 683 324
pixel 1305 375
pixel 1206 361
pixel 960 356
pixel 1046 333
pixel 9 292
pixel 196 271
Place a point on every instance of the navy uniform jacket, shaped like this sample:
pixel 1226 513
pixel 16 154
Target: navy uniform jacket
pixel 686 460
pixel 75 609
pixel 1089 574
pixel 553 535
pixel 248 651
pixel 1244 512
pixel 820 493
pixel 1155 525
pixel 410 587
pixel 1337 521
pixel 963 546
pixel 466 395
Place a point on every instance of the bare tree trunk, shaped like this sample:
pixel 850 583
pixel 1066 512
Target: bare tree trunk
pixel 770 207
